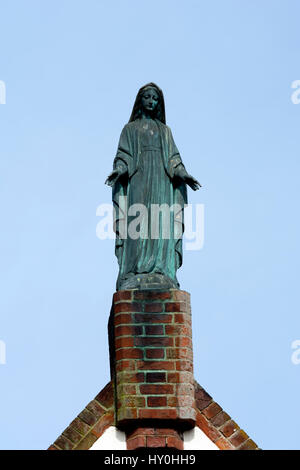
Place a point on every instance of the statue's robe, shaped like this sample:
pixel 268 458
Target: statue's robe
pixel 148 152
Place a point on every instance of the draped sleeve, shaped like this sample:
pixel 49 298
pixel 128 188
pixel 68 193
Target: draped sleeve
pixel 123 160
pixel 124 157
pixel 174 156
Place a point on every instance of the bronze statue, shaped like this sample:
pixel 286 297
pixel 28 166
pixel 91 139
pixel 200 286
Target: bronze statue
pixel 147 173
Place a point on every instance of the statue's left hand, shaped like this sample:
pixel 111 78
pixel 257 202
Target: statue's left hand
pixel 180 172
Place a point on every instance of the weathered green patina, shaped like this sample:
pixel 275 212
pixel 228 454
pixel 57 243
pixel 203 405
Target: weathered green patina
pixel 148 173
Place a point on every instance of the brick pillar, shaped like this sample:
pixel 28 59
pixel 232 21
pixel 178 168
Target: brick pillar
pixel 152 364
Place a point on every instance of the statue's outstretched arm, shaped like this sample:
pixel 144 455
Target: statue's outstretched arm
pixel 119 171
pixel 180 172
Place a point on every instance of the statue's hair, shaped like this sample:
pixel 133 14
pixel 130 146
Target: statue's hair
pixel 159 112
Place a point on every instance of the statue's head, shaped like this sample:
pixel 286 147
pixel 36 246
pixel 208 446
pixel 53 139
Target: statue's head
pixel 150 98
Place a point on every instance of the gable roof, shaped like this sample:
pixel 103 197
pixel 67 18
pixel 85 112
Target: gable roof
pixel 98 415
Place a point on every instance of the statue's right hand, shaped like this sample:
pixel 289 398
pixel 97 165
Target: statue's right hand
pixel 114 176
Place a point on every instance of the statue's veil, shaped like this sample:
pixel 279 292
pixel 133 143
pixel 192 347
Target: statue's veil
pixel 160 109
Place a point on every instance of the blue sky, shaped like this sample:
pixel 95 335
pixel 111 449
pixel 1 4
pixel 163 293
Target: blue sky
pixel 72 70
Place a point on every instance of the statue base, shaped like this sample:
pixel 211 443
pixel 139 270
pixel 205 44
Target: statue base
pixel 146 281
pixel 152 359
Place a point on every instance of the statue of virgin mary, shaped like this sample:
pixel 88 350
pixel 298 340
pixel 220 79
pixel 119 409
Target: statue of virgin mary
pixel 148 179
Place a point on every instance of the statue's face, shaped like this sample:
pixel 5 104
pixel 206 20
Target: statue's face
pixel 150 99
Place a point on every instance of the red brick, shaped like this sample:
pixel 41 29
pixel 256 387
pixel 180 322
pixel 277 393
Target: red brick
pixel 105 422
pixel 125 389
pixel 220 419
pixel 129 353
pixel 185 401
pixel 125 330
pixel 153 432
pixel 175 443
pixel 52 447
pixel 140 432
pixel 124 342
pixel 212 410
pixel 153 341
pixel 172 401
pixel 229 428
pixel 122 295
pixel 156 389
pixel 238 438
pixel 180 377
pixel 125 414
pixel 128 307
pixel 87 417
pixel 175 307
pixel 152 295
pixel 186 413
pixel 153 318
pixel 184 365
pixel 136 442
pixel 123 318
pixel 155 365
pixel 166 432
pixel 106 396
pixel 173 377
pixel 130 377
pixel 155 307
pixel 179 353
pixel 156 401
pixel 185 389
pixel 72 435
pixel 180 318
pixel 153 441
pixel 63 443
pixel 155 353
pixel 80 426
pixel 181 296
pixel 183 342
pixel 203 399
pixel 248 445
pixel 132 402
pixel 223 444
pixel 152 377
pixel 125 365
pixel 207 427
pixel 178 330
pixel 154 330
pixel 95 408
pixel 169 413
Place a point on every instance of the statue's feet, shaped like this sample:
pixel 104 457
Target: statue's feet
pixel 147 281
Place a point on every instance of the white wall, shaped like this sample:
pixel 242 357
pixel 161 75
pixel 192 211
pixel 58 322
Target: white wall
pixel 195 439
pixel 111 439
